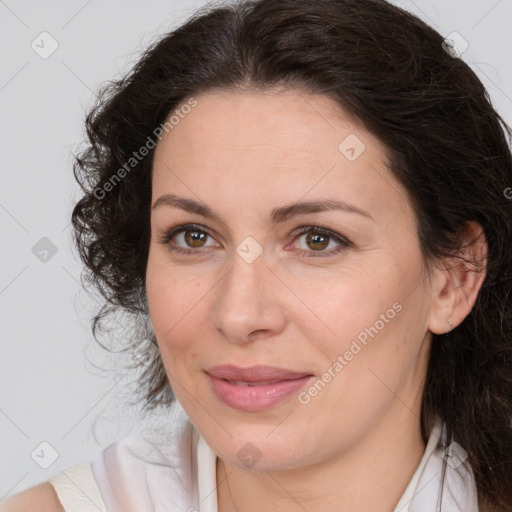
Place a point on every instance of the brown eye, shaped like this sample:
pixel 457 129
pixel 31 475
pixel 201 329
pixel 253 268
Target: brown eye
pixel 186 239
pixel 194 238
pixel 316 241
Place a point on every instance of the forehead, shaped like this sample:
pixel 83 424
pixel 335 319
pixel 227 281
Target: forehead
pixel 292 121
pixel 277 145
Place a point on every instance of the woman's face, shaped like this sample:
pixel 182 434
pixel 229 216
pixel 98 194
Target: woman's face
pixel 349 307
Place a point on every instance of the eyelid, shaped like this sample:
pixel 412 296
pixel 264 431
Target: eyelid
pixel 312 227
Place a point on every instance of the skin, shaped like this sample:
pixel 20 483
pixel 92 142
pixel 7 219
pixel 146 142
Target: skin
pixel 41 497
pixel 357 443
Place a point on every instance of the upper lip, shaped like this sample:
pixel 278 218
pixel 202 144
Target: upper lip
pixel 254 373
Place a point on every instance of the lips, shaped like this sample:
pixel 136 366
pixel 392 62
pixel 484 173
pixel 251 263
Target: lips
pixel 254 375
pixel 256 388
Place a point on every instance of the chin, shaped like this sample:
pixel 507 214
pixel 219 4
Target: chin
pixel 262 448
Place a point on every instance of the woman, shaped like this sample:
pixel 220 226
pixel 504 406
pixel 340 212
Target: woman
pixel 307 199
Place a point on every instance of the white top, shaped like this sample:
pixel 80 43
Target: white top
pixel 171 468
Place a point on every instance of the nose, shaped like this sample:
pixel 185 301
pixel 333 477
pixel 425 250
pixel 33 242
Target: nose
pixel 249 301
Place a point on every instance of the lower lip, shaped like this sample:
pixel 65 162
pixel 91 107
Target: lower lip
pixel 255 398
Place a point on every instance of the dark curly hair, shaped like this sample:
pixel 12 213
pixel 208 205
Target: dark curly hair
pixel 447 145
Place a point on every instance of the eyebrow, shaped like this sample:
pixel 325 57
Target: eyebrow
pixel 280 214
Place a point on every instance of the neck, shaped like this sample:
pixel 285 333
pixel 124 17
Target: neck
pixel 372 475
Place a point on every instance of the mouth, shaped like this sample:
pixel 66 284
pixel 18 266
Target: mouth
pixel 252 392
pixel 257 373
pixel 253 384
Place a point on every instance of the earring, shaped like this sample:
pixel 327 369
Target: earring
pixel 450 321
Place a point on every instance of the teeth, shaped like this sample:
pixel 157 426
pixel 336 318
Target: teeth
pixel 252 384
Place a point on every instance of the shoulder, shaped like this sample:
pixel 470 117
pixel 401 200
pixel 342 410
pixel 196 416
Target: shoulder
pixel 42 497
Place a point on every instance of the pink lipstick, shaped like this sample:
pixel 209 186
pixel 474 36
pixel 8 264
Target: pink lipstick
pixel 255 388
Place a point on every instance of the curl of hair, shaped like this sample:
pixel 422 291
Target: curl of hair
pixel 446 144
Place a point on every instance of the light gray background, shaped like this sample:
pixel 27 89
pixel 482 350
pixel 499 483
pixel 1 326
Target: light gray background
pixel 52 387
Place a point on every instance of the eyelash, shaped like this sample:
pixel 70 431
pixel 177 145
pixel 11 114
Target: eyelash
pixel 344 243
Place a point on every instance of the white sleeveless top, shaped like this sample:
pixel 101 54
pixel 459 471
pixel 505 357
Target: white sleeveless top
pixel 171 468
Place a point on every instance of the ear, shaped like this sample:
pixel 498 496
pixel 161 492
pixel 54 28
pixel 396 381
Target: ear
pixel 457 284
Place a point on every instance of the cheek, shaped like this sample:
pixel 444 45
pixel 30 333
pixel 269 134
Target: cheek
pixel 173 324
pixel 353 305
pixel 381 357
pixel 371 321
pixel 166 302
pixel 177 309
